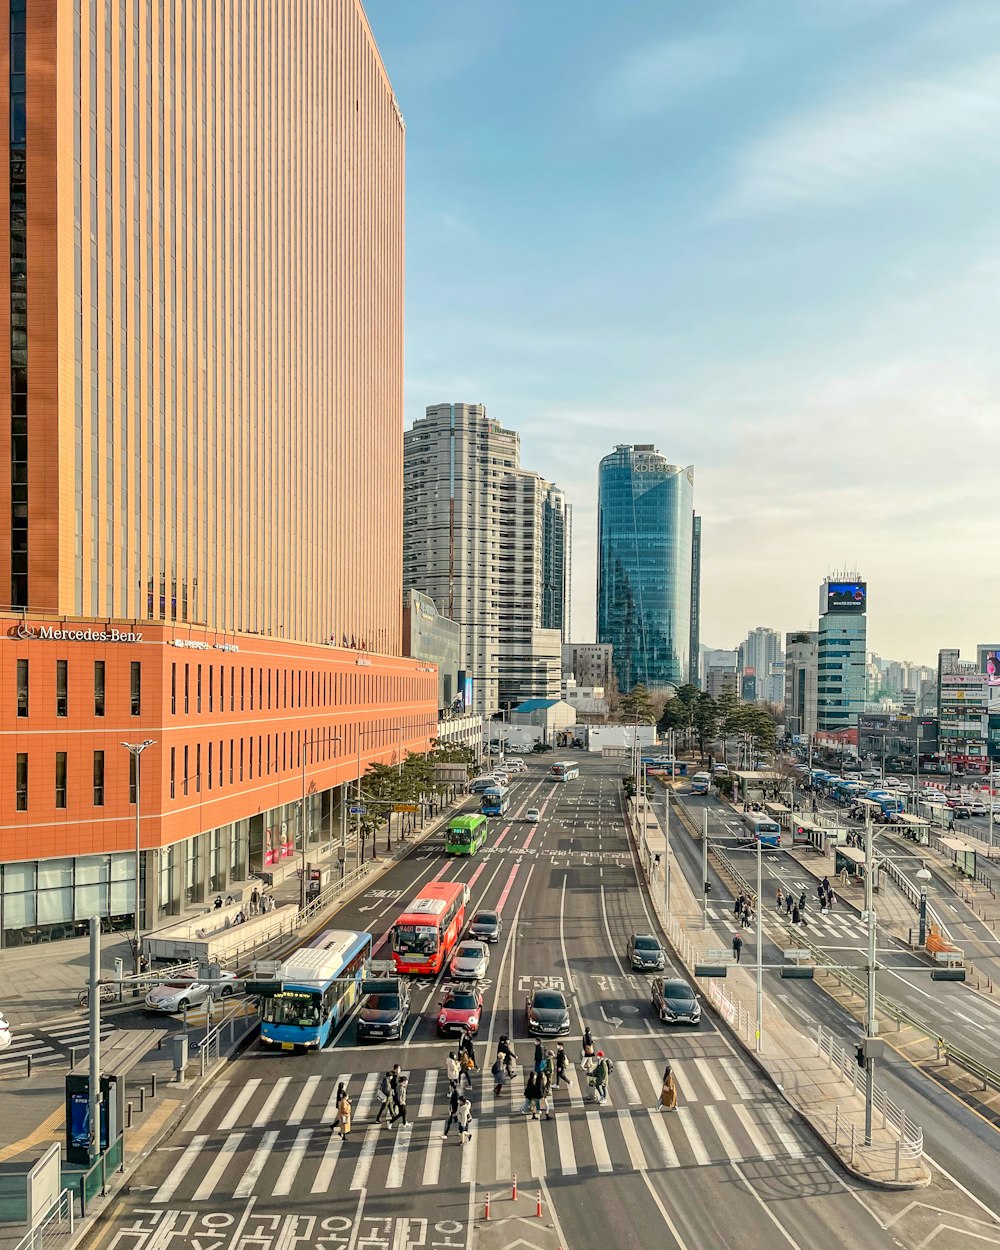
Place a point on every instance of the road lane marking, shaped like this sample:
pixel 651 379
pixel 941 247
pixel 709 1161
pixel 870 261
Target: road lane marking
pixel 426 1110
pixel 600 1143
pixel 690 1129
pixel 468 1172
pixel 736 1078
pixel 304 1100
pixel 708 1076
pixel 397 1163
pixel 432 1160
pixel 723 1134
pixel 250 1177
pixel 283 1185
pixel 242 1098
pixel 752 1130
pixel 667 1150
pixel 536 1148
pixel 205 1106
pixel 180 1169
pixel 564 1140
pixel 221 1161
pixel 624 1078
pixel 364 1164
pixel 502 1146
pixel 324 1173
pixel 784 1133
pixel 272 1100
pixel 631 1137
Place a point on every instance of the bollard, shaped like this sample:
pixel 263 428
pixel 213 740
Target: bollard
pixel 142 1099
pixel 898 1145
pixel 128 1115
pixel 538 1205
pixel 513 1189
pixel 152 1085
pixel 72 1056
pixel 486 1213
pixel 29 1065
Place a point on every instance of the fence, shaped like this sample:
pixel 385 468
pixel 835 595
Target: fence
pixel 211 1048
pixel 54 1225
pixel 91 1182
pixel 906 886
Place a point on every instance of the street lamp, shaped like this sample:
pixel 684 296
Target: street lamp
pixel 135 750
pixel 923 876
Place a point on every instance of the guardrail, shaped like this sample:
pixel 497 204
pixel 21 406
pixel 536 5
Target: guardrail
pixel 56 1223
pixel 210 1048
pixel 912 893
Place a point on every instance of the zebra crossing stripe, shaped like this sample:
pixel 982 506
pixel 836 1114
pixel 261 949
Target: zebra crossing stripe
pixel 600 1143
pixel 468 1173
pixel 205 1106
pixel 728 1143
pixel 667 1150
pixel 283 1185
pixel 736 1078
pixel 578 1079
pixel 260 1156
pixel 426 1111
pixel 502 1148
pixel 219 1164
pixel 784 1133
pixel 324 1173
pixel 263 1117
pixel 708 1076
pixel 752 1130
pixel 242 1098
pixel 432 1162
pixel 181 1169
pixel 397 1162
pixel 654 1077
pixel 304 1100
pixel 564 1139
pixel 690 1129
pixel 364 1100
pixel 683 1079
pixel 631 1137
pixel 627 1084
pixel 364 1164
pixel 536 1148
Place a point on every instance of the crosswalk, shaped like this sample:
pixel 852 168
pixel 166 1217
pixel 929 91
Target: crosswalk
pixel 49 1044
pixel 844 925
pixel 240 1144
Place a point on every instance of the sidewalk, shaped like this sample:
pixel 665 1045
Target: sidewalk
pixel 828 1102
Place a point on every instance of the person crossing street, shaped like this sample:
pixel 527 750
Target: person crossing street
pixel 737 947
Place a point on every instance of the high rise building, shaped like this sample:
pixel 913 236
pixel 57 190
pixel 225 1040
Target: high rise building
pixel 841 654
pixel 202 420
pixel 645 537
pixel 486 540
pixel 694 646
pixel 760 656
pixel 589 663
pixel 801 671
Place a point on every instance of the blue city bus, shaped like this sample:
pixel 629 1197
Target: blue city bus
pixel 313 990
pixel 495 801
pixel 762 829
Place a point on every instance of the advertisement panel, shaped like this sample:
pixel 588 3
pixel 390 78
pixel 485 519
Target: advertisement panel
pixel 846 597
pixel 991 667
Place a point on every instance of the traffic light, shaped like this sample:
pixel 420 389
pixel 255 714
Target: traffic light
pixel 804 972
pixel 710 970
pixel 947 974
pixel 859 1052
pixel 708 887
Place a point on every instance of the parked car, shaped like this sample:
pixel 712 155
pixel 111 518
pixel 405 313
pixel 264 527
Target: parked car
pixel 461 1008
pixel 546 1013
pixel 674 1001
pixel 470 962
pixel 486 926
pixel 187 992
pixel 384 1015
pixel 645 953
pixel 532 815
pixel 516 766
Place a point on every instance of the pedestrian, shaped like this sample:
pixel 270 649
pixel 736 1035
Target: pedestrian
pixel 464 1118
pixel 544 1089
pixel 453 1102
pixel 506 1052
pixel 532 1095
pixel 500 1075
pixel 668 1091
pixel 549 1067
pixel 788 903
pixel 230 900
pixel 802 901
pixel 451 1070
pixel 737 947
pixel 747 917
pixel 343 1119
pixel 780 900
pixel 561 1058
pixel 254 901
pixel 384 1097
pixel 829 899
pixel 738 905
pixel 400 1113
pixel 218 901
pixel 466 1067
pixel 539 1060
pixel 468 1045
pixel 815 807
pixel 599 1077
pixel 587 1051
pixel 796 915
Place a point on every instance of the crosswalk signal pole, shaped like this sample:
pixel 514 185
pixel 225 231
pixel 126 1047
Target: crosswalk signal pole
pixel 94 1004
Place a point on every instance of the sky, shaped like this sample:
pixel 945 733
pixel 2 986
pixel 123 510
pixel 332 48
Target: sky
pixel 760 234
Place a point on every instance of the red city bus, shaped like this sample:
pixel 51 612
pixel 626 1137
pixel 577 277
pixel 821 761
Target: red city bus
pixel 425 933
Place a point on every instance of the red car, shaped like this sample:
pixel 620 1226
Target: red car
pixel 461 1008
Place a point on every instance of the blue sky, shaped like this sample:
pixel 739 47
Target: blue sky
pixel 761 234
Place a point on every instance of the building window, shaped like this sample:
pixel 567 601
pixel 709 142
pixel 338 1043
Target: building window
pixel 21 784
pixel 135 687
pixel 198 691
pixel 173 772
pixel 187 689
pixel 173 689
pixel 197 769
pixel 98 778
pixel 185 777
pixel 210 766
pixel 211 688
pixel 98 687
pixel 60 779
pixel 133 776
pixel 62 682
pixel 22 687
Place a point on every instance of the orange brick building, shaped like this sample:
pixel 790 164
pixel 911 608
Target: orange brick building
pixel 201 338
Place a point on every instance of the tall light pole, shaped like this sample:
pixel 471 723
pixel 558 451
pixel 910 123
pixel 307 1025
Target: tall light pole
pixel 666 851
pixel 923 876
pixel 306 741
pixel 135 750
pixel 871 1023
pixel 759 1041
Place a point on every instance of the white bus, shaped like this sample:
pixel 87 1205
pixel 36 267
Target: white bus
pixel 564 772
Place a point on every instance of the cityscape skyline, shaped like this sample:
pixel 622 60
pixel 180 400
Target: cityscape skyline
pixel 798 297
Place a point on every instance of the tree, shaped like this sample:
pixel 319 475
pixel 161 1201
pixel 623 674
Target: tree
pixel 679 713
pixel 637 706
pixel 706 721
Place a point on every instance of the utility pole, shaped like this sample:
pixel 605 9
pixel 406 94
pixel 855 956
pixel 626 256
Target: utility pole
pixel 302 831
pixel 871 1024
pixel 94 1004
pixel 759 1041
pixel 666 851
pixel 704 869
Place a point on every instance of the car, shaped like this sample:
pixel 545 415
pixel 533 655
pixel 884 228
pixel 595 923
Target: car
pixel 502 779
pixel 6 1037
pixel 852 776
pixel 461 1008
pixel 996 817
pixel 546 1013
pixel 183 992
pixel 532 815
pixel 516 766
pixel 486 926
pixel 674 1001
pixel 645 953
pixel 961 811
pixel 720 770
pixel 977 808
pixel 871 774
pixel 384 1014
pixel 470 962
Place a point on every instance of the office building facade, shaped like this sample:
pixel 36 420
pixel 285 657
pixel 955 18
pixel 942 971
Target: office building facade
pixel 486 540
pixel 801 672
pixel 644 571
pixel 589 663
pixel 761 658
pixel 202 427
pixel 841 652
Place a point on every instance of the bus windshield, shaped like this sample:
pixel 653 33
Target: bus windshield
pixel 417 939
pixel 301 1010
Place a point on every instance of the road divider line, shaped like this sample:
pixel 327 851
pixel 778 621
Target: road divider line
pixel 180 1169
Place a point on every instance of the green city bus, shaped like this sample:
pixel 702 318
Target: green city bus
pixel 465 835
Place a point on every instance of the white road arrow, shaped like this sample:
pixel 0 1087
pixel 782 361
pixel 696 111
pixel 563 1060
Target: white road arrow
pixel 374 907
pixel 611 1019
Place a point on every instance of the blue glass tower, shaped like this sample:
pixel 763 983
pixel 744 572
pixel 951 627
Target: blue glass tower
pixel 644 566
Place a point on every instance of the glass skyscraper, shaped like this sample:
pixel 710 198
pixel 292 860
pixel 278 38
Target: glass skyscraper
pixel 645 526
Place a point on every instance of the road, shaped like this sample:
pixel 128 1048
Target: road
pixel 255 1160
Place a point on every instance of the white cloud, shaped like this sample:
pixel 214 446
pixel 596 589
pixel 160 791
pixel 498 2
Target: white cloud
pixel 651 79
pixel 840 152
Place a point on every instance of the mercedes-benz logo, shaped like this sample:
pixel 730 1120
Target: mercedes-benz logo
pixel 24 631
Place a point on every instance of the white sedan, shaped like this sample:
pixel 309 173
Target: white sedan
pixel 470 962
pixel 186 992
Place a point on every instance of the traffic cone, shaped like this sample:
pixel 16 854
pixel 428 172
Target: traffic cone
pixel 513 1188
pixel 538 1205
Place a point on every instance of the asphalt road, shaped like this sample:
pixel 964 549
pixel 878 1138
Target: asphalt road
pixel 255 1160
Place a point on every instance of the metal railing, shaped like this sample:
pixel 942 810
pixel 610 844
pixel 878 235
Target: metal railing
pixel 55 1224
pixel 94 1180
pixel 894 1118
pixel 211 1048
pixel 912 893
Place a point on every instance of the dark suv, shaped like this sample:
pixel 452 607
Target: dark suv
pixel 674 1001
pixel 384 1012
pixel 645 953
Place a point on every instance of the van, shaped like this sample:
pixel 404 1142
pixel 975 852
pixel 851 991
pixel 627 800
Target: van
pixel 481 784
pixel 720 770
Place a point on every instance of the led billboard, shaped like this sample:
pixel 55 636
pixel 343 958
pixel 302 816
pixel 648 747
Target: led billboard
pixel 846 596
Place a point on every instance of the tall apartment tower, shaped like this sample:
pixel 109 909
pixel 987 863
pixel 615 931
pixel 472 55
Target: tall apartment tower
pixel 645 560
pixel 201 449
pixel 760 657
pixel 487 540
pixel 694 646
pixel 841 652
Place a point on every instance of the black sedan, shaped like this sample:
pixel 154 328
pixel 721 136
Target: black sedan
pixel 546 1013
pixel 382 1016
pixel 486 926
pixel 675 1001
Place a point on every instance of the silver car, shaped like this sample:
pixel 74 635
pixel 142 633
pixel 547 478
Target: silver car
pixel 185 992
pixel 470 962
